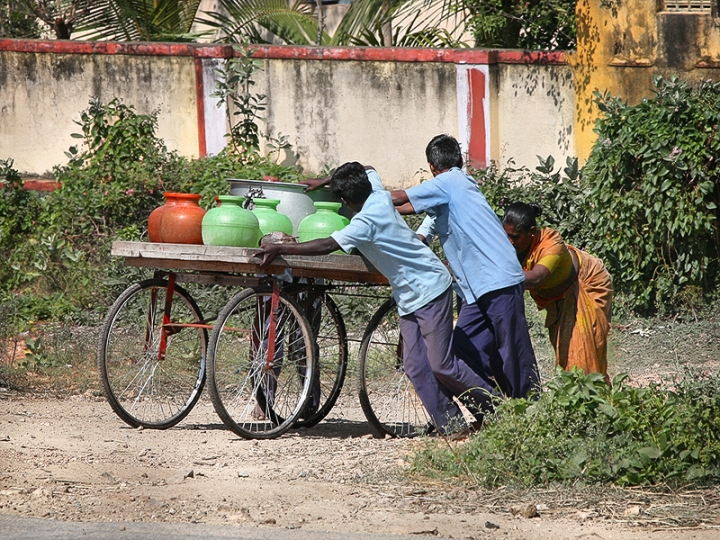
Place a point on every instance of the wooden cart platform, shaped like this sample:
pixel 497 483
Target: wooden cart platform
pixel 223 265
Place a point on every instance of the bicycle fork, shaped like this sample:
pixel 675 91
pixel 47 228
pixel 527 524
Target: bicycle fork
pixel 272 330
pixel 150 323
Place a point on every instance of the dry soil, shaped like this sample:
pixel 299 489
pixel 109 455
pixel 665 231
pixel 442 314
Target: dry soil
pixel 73 459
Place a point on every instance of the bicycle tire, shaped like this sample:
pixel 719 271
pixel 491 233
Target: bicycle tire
pixel 142 388
pixel 254 398
pixel 331 352
pixel 387 397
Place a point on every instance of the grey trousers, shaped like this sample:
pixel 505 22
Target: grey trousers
pixel 436 373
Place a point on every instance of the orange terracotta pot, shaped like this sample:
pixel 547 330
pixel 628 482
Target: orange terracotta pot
pixel 154 223
pixel 179 221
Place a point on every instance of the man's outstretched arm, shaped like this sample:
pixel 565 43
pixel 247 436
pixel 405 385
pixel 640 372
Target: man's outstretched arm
pixel 402 202
pixel 321 246
pixel 317 183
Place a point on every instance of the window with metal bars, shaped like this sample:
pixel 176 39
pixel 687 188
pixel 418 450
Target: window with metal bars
pixel 689 6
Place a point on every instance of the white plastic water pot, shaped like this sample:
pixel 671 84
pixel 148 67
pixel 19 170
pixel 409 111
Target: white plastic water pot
pixel 295 203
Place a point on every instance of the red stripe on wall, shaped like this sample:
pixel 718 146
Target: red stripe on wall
pixel 400 54
pixel 41 185
pixel 38 185
pixel 200 100
pixel 477 146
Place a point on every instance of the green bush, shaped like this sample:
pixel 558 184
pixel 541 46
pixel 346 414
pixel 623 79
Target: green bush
pixel 56 247
pixel 16 22
pixel 583 430
pixel 518 24
pixel 652 188
pixel 651 177
pixel 646 202
pixel 558 193
pixel 208 176
pixel 19 209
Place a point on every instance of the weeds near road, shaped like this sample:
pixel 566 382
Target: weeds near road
pixel 49 358
pixel 583 431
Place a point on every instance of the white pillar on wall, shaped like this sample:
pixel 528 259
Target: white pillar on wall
pixel 215 116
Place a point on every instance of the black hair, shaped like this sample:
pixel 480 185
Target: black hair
pixel 350 182
pixel 443 152
pixel 522 216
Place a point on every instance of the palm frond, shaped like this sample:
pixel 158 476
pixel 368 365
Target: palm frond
pixel 243 19
pixel 107 20
pixel 427 28
pixel 414 23
pixel 364 21
pixel 140 20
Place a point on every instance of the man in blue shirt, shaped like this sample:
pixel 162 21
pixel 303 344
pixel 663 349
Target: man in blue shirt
pixel 491 333
pixel 421 288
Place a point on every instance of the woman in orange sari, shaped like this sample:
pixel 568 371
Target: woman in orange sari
pixel 572 286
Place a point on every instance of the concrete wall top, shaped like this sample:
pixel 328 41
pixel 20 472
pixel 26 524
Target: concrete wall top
pixel 384 54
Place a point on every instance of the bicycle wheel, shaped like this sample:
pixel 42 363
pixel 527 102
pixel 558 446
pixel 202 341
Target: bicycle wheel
pixel 331 353
pixel 387 396
pixel 259 377
pixel 152 372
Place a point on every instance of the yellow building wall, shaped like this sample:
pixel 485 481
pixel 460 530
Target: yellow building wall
pixel 624 44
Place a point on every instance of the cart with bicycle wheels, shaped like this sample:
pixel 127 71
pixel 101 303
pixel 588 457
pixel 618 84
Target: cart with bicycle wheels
pixel 273 358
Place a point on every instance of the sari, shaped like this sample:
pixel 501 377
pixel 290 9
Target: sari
pixel 578 303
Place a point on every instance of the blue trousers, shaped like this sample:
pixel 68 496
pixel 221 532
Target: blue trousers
pixel 491 336
pixel 435 372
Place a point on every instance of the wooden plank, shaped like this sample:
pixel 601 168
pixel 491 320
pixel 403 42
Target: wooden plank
pixel 199 266
pixel 243 260
pixel 218 279
pixel 341 275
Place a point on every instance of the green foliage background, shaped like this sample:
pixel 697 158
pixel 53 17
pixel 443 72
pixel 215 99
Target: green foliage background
pixel 15 22
pixel 647 200
pixel 583 431
pixel 522 24
pixel 653 188
pixel 54 247
pixel 534 24
pixel 646 203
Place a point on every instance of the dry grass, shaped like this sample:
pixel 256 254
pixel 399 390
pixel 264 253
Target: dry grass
pixel 64 364
pixel 658 509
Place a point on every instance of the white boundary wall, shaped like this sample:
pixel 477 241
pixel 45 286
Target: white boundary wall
pixel 376 106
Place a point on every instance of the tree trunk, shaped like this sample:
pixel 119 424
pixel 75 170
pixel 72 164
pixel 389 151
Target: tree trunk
pixel 321 21
pixel 62 29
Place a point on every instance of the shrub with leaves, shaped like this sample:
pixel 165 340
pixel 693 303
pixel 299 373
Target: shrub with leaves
pixel 17 205
pixel 582 430
pixel 59 244
pixel 540 24
pixel 115 176
pixel 653 188
pixel 243 107
pixel 558 192
pixel 209 176
pixel 647 200
pixel 19 209
pixel 16 22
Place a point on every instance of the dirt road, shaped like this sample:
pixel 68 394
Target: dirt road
pixel 75 460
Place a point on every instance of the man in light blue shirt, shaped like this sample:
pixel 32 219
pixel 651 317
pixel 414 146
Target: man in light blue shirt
pixel 491 334
pixel 421 288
